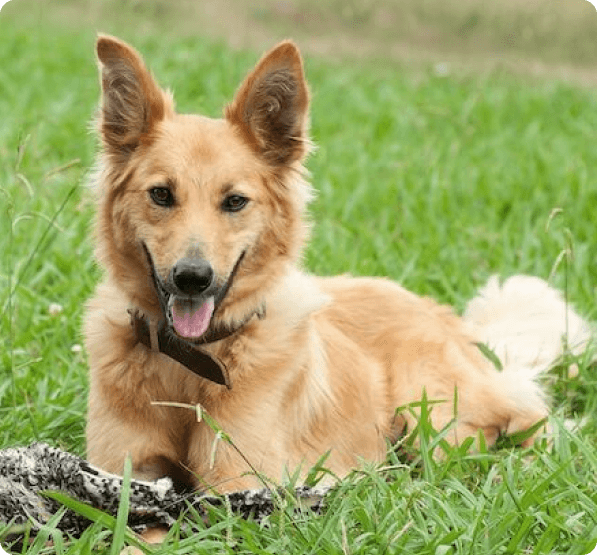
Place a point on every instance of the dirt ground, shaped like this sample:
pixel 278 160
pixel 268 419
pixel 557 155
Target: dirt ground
pixel 547 39
pixel 550 39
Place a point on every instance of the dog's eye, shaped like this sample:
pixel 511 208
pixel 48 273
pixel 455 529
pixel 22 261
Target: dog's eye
pixel 234 203
pixel 162 196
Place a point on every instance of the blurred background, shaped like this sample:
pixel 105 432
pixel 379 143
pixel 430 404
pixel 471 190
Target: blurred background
pixel 553 38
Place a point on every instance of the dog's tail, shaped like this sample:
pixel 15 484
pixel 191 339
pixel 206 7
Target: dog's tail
pixel 529 327
pixel 527 323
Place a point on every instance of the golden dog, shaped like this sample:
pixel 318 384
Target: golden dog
pixel 200 226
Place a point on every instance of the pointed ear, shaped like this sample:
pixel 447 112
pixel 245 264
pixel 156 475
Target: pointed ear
pixel 132 102
pixel 271 106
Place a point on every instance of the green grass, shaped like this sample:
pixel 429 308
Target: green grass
pixel 437 182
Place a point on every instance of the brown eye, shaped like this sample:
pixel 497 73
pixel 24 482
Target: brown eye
pixel 162 196
pixel 234 203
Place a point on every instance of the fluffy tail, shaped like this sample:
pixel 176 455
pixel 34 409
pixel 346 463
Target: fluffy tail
pixel 526 323
pixel 529 326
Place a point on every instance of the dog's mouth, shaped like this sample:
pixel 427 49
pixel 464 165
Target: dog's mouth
pixel 190 316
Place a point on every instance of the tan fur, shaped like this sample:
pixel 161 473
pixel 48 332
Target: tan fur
pixel 333 358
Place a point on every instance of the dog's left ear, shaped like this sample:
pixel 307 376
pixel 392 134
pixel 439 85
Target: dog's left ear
pixel 271 106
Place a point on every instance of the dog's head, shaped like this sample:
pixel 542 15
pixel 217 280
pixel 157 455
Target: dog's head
pixel 212 207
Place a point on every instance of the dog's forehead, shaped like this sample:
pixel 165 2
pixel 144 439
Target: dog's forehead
pixel 190 143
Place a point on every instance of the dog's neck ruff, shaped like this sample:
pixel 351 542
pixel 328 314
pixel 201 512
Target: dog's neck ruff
pixel 159 336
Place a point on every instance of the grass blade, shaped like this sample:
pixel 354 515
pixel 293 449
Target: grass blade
pixel 120 527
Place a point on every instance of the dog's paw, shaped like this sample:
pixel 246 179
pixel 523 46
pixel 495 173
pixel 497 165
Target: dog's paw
pixel 151 536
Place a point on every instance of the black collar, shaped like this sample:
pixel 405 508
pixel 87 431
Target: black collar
pixel 161 338
pixel 186 352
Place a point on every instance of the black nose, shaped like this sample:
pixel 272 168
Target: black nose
pixel 192 276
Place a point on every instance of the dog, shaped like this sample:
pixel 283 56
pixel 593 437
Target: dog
pixel 205 308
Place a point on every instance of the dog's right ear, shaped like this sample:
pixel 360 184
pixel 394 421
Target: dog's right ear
pixel 132 102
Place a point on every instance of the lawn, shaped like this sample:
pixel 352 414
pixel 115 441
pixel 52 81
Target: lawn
pixel 437 179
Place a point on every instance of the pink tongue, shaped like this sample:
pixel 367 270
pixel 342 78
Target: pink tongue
pixel 191 320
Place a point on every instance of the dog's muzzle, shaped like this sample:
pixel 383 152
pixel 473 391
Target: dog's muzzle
pixel 190 297
pixel 188 300
pixel 191 305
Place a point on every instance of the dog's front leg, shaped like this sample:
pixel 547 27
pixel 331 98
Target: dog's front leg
pixel 125 420
pixel 110 440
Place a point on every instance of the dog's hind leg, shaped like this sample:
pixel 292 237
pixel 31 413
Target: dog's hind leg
pixel 476 402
